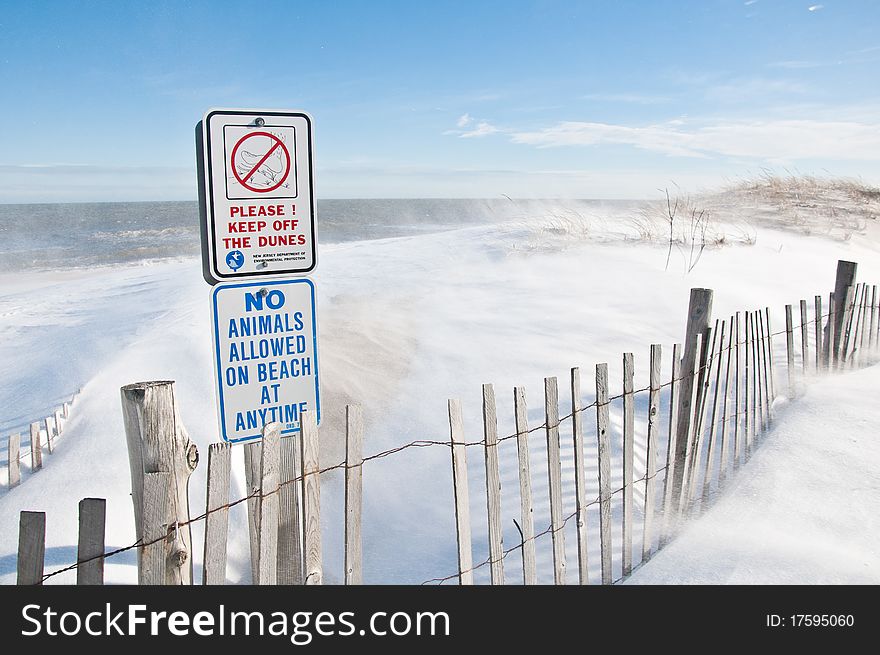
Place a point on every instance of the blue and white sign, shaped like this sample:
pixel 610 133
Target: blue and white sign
pixel 266 355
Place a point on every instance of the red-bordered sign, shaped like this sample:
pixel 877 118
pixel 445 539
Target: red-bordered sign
pixel 274 179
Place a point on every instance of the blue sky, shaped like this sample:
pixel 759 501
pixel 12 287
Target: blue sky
pixel 443 99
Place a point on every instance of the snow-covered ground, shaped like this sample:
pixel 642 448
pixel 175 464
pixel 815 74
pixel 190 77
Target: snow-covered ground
pixel 806 509
pixel 404 324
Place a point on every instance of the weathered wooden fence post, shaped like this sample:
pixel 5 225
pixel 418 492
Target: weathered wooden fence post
pixel 580 493
pixel 725 446
pixel 13 457
pixel 872 342
pixel 804 336
pixel 849 306
pixel 354 460
pixel 604 442
pixel 36 448
pixel 628 447
pixel 846 278
pixel 90 544
pixel 651 450
pixel 493 486
pixel 817 320
pixel 713 426
pixel 313 558
pixel 31 547
pixel 530 575
pixel 217 519
pixel 737 413
pixel 771 380
pixel 668 495
pixel 789 350
pixel 759 399
pixel 699 313
pixel 49 423
pixel 159 453
pixel 554 471
pixel 270 466
pixel 460 490
pixel 290 533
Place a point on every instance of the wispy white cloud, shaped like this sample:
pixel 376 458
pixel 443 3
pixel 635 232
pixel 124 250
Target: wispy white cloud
pixel 631 98
pixel 863 51
pixel 773 140
pixel 483 128
pixel 749 3
pixel 464 120
pixel 797 64
pixel 741 90
pixel 815 7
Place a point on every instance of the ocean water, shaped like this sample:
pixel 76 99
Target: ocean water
pixel 75 235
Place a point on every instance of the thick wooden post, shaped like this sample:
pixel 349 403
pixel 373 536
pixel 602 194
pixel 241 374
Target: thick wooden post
pixel 602 421
pixel 530 575
pixel 217 519
pixel 90 545
pixel 13 458
pixel 31 547
pixel 846 278
pixel 651 450
pixel 354 460
pixel 158 443
pixel 493 486
pixel 462 497
pixel 699 313
pixel 312 550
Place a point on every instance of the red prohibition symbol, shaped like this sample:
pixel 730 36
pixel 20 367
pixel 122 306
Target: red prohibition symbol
pixel 274 144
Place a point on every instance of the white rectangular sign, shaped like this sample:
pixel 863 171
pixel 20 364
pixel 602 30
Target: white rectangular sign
pixel 266 355
pixel 256 193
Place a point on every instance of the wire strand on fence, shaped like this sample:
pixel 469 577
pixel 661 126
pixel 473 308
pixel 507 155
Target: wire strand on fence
pixel 424 443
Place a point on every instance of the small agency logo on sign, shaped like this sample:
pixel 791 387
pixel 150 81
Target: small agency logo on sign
pixel 256 194
pixel 266 355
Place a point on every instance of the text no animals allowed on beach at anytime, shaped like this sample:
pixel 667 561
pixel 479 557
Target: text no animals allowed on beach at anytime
pixel 256 193
pixel 265 355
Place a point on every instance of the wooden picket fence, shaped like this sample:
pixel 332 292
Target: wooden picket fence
pixel 719 399
pixel 43 435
